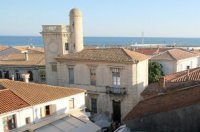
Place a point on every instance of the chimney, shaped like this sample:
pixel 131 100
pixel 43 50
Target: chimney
pixel 26 77
pixel 13 77
pixel 162 82
pixel 26 56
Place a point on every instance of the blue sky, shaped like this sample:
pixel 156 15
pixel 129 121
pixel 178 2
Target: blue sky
pixel 159 18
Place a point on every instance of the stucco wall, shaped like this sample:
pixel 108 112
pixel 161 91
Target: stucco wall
pixel 180 120
pixel 132 76
pixel 182 64
pixel 170 66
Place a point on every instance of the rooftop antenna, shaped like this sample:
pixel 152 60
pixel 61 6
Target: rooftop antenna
pixel 142 37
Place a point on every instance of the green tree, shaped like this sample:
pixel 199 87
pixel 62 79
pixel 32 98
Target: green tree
pixel 155 71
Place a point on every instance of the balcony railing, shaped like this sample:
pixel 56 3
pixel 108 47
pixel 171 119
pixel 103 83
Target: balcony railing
pixel 116 90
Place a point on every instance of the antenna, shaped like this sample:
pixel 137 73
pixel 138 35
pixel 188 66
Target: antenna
pixel 142 37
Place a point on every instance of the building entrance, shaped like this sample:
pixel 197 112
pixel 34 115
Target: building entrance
pixel 116 111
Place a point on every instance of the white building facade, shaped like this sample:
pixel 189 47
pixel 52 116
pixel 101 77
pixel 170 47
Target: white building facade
pixel 176 60
pixel 35 115
pixel 113 77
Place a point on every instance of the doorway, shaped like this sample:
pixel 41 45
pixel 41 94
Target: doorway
pixel 116 111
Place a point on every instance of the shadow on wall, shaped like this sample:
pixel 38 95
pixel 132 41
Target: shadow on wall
pixel 180 120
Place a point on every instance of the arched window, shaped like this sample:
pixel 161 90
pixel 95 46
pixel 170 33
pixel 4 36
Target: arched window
pixel 17 75
pixel 31 75
pixel 7 74
pixel 1 76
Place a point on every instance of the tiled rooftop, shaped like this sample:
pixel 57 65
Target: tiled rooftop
pixel 151 51
pixel 166 102
pixel 174 54
pixel 9 101
pixel 171 81
pixel 19 59
pixel 116 55
pixel 33 94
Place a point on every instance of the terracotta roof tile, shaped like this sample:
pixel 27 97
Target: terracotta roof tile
pixel 151 51
pixel 172 80
pixel 10 102
pixel 3 47
pixel 19 59
pixel 34 93
pixel 117 55
pixel 166 102
pixel 174 54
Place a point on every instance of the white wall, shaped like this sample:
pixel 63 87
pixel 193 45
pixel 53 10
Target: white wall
pixel 21 115
pixel 62 106
pixel 182 64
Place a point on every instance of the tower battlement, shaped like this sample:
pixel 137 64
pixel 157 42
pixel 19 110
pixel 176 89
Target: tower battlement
pixel 55 28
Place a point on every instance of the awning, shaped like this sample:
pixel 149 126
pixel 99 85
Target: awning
pixel 70 124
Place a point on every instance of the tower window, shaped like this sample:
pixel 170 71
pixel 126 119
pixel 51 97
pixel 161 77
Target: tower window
pixel 66 46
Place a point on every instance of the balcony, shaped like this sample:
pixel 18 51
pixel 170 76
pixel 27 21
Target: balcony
pixel 116 90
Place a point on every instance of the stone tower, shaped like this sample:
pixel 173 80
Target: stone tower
pixel 76 29
pixel 60 40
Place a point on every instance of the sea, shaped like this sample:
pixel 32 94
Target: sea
pixel 104 41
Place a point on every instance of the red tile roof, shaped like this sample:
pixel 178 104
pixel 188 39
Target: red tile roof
pixel 10 101
pixel 31 94
pixel 37 59
pixel 151 51
pixel 115 55
pixel 174 54
pixel 166 102
pixel 172 80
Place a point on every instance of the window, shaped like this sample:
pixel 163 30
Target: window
pixel 188 67
pixel 28 120
pixel 71 75
pixel 66 46
pixel 94 105
pixel 30 75
pixel 116 79
pixel 93 76
pixel 17 75
pixel 47 110
pixel 54 67
pixel 9 123
pixel 71 103
pixel 42 75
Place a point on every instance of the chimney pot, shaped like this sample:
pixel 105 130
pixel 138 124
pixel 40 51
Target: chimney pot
pixel 26 77
pixel 162 82
pixel 13 77
pixel 26 56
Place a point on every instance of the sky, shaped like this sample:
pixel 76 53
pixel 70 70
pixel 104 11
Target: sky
pixel 104 18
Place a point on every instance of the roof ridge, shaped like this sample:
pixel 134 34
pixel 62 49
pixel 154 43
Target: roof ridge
pixel 125 51
pixel 170 92
pixel 183 74
pixel 20 97
pixel 171 54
